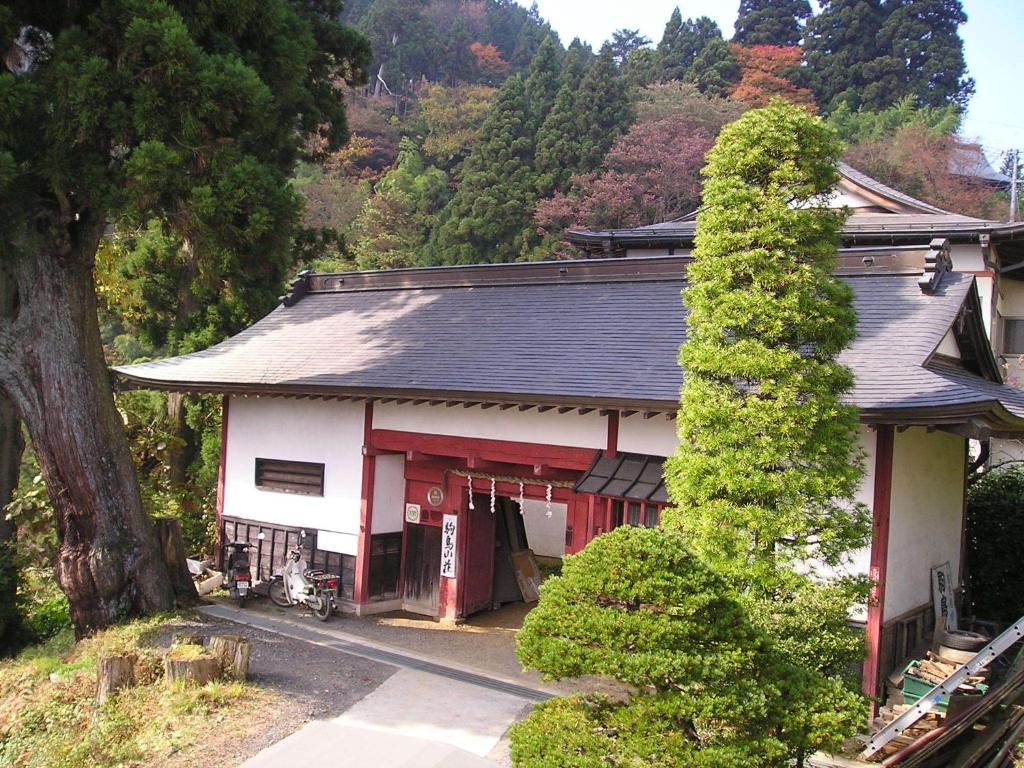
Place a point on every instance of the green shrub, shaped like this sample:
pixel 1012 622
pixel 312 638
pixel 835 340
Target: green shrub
pixel 709 686
pixel 994 532
pixel 45 610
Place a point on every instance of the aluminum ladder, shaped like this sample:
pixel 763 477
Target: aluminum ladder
pixel 982 659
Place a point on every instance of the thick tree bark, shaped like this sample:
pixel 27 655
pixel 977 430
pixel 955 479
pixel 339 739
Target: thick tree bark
pixel 52 369
pixel 173 551
pixel 182 450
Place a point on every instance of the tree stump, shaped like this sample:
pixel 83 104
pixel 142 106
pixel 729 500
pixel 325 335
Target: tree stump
pixel 233 652
pixel 173 550
pixel 112 674
pixel 198 666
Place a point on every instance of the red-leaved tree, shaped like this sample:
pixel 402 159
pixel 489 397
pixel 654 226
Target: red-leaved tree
pixel 651 174
pixel 765 73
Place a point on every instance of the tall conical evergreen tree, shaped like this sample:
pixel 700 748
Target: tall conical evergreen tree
pixel 558 146
pixel 605 110
pixel 771 22
pixel 767 466
pixel 839 45
pixel 922 54
pixel 673 60
pixel 486 219
pixel 714 70
pixel 542 82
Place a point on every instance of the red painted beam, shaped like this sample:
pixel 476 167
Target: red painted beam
pixel 362 582
pixel 613 435
pixel 221 480
pixel 881 503
pixel 499 451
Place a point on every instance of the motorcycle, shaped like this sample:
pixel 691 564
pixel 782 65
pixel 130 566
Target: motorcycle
pixel 299 586
pixel 237 575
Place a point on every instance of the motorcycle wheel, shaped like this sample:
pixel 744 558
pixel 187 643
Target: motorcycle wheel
pixel 277 594
pixel 323 611
pixel 241 601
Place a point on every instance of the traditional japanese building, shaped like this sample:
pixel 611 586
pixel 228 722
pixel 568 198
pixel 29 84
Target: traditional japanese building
pixel 414 429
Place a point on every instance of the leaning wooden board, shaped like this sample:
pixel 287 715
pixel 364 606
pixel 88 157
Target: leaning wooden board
pixel 527 574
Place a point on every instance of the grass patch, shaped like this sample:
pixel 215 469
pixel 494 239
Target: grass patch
pixel 49 716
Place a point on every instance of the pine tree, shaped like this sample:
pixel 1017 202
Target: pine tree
pixel 541 83
pixel 771 22
pixel 557 153
pixel 485 220
pixel 839 45
pixel 921 54
pixel 694 51
pixel 673 60
pixel 605 110
pixel 767 459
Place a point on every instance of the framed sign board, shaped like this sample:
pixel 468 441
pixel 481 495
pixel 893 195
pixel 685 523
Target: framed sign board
pixel 449 538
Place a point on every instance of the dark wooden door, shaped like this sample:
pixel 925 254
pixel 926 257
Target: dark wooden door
pixel 422 566
pixel 477 574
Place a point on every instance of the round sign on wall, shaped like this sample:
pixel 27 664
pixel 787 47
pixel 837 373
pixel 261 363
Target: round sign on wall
pixel 435 496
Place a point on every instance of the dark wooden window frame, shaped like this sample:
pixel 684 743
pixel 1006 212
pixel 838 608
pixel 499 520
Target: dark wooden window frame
pixel 305 478
pixel 617 512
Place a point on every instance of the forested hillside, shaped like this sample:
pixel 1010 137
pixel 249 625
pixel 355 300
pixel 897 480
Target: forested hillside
pixel 482 137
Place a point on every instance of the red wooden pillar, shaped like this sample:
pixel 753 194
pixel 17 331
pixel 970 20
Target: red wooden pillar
pixel 613 435
pixel 884 437
pixel 362 586
pixel 221 478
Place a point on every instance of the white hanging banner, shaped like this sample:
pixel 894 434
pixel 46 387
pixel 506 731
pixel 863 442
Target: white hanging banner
pixel 449 537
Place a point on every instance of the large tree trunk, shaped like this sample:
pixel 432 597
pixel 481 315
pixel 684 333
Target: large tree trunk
pixel 182 450
pixel 52 369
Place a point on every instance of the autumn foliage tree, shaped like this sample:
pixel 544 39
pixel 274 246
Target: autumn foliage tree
pixel 651 174
pixel 920 162
pixel 766 73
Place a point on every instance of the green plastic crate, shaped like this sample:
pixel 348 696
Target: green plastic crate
pixel 914 688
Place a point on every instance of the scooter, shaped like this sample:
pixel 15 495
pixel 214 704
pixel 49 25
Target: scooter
pixel 299 586
pixel 237 576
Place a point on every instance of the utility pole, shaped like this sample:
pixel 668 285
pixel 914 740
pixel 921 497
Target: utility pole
pixel 1013 184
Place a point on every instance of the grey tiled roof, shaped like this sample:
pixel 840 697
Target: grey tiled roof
pixel 593 341
pixel 863 180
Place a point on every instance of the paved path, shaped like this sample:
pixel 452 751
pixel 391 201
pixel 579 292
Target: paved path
pixel 427 714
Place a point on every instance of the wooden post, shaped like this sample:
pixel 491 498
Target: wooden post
pixel 361 590
pixel 221 478
pixel 613 435
pixel 112 674
pixel 881 501
pixel 173 551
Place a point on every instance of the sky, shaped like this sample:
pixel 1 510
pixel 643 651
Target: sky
pixel 993 40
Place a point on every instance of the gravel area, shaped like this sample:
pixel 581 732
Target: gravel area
pixel 304 682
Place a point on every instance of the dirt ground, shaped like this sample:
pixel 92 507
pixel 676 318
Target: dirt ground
pixel 303 682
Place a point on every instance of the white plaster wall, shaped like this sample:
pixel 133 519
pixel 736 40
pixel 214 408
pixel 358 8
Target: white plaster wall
pixel 655 436
pixel 327 432
pixel 985 287
pixel 926 515
pixel 388 494
pixel 1011 298
pixel 948 346
pixel 846 197
pixel 546 535
pixel 859 561
pixel 548 428
pixel 967 257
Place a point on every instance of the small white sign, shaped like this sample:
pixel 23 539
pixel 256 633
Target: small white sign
pixel 449 537
pixel 412 513
pixel 942 594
